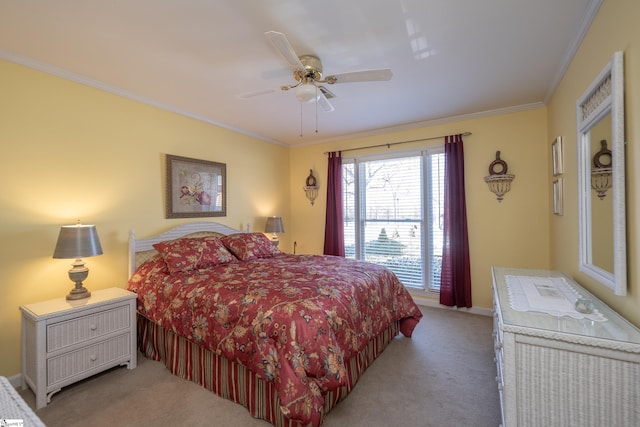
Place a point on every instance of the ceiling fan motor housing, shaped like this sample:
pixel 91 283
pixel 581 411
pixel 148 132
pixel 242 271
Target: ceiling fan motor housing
pixel 312 69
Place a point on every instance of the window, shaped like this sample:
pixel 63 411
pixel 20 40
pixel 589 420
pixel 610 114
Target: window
pixel 393 213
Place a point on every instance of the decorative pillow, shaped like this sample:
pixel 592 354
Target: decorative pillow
pixel 154 265
pixel 248 246
pixel 193 253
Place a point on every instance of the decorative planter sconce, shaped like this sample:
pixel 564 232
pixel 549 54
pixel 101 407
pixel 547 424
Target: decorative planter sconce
pixel 311 188
pixel 601 172
pixel 499 181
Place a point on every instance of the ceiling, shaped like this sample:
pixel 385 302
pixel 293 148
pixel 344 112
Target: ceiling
pixel 211 60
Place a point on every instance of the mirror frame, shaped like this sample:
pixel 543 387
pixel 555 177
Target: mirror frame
pixel 604 96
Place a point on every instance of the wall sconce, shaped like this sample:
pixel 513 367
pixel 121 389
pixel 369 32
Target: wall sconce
pixel 499 181
pixel 311 189
pixel 601 172
pixel 78 241
pixel 274 225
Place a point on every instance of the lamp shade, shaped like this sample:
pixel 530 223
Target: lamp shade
pixel 77 241
pixel 274 225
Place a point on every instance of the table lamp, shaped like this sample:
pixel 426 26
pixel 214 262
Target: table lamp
pixel 78 241
pixel 274 225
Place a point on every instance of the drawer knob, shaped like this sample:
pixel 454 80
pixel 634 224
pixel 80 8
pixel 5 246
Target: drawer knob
pixel 93 357
pixel 93 326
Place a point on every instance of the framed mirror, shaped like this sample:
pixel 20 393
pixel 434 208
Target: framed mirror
pixel 601 178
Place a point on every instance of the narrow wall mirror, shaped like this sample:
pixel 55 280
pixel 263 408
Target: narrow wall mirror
pixel 601 178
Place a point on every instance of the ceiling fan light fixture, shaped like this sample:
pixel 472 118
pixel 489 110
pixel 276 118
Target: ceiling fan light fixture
pixel 307 92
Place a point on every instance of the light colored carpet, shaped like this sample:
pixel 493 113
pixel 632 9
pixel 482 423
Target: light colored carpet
pixel 443 376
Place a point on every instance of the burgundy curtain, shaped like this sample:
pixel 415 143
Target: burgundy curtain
pixel 334 226
pixel 455 279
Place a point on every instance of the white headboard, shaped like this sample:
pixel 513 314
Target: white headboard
pixel 139 246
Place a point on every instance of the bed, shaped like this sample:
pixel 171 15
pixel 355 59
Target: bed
pixel 287 336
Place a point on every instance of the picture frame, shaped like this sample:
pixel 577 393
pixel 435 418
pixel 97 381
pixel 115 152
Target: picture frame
pixel 195 188
pixel 558 208
pixel 556 156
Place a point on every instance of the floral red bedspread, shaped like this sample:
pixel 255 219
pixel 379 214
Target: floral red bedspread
pixel 292 319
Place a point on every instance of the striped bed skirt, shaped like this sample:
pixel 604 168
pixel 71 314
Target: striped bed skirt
pixel 235 381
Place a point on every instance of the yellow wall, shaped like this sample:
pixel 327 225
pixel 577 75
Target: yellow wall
pixel 70 151
pixel 614 29
pixel 512 233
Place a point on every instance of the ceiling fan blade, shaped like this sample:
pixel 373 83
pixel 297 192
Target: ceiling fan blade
pixel 326 92
pixel 282 45
pixel 324 103
pixel 254 94
pixel 361 76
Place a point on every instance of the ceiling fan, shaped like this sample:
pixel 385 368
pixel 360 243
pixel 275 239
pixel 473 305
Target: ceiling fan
pixel 307 71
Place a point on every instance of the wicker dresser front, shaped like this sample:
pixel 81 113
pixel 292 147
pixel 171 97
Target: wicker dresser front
pixel 562 369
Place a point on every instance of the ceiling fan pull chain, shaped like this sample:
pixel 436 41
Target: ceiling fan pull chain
pixel 317 96
pixel 300 120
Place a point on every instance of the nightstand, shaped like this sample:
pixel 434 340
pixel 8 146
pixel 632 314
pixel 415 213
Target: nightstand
pixel 67 341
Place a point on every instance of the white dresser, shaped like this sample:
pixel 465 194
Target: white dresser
pixel 66 341
pixel 562 370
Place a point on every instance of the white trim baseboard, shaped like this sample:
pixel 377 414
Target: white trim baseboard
pixel 15 380
pixel 430 302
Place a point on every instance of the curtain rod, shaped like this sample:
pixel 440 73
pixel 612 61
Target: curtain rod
pixel 389 144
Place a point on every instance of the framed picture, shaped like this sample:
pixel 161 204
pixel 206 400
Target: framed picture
pixel 195 188
pixel 556 156
pixel 557 197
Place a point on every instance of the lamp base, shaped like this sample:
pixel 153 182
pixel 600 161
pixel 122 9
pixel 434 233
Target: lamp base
pixel 78 293
pixel 77 274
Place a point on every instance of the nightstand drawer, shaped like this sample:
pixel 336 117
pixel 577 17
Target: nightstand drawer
pixel 86 359
pixel 74 331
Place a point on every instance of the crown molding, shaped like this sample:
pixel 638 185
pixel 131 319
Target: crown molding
pixel 96 84
pixel 589 15
pixel 434 122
